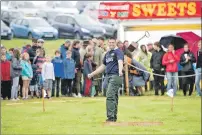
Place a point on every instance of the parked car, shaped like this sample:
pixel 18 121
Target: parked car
pixel 62 7
pixel 9 15
pixel 110 30
pixel 26 7
pixel 77 26
pixel 33 27
pixel 48 14
pixel 5 31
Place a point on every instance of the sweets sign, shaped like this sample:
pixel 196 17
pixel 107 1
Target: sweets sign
pixel 143 10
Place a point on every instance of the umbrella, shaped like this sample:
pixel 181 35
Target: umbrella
pixel 192 40
pixel 177 41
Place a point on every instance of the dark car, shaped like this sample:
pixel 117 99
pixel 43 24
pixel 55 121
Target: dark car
pixel 77 26
pixel 47 14
pixel 7 16
pixel 6 31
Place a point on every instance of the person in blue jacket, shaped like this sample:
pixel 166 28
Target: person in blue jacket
pixel 63 49
pixel 68 73
pixel 57 63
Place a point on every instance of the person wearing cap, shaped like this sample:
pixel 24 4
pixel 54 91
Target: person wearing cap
pixel 63 48
pixel 40 44
pixel 32 51
pixel 83 50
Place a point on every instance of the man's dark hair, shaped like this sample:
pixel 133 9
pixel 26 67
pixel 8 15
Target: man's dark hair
pixel 101 38
pixel 125 41
pixel 34 40
pixel 11 49
pixel 112 38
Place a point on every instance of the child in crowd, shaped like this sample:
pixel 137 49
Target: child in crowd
pixel 5 77
pixel 87 70
pixel 4 52
pixel 48 76
pixel 27 74
pixel 68 73
pixel 39 61
pixel 57 63
pixel 33 83
pixel 16 72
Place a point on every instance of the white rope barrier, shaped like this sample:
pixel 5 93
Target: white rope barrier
pixel 184 76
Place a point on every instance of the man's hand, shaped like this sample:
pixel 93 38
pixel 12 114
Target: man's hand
pixel 187 59
pixel 120 73
pixel 90 76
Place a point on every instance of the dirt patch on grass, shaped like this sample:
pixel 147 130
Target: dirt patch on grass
pixel 133 123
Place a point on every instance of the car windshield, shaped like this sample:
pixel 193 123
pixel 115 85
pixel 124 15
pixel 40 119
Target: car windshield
pixel 38 23
pixel 3 25
pixel 16 14
pixel 85 20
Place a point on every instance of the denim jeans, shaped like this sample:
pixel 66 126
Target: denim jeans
pixel 197 81
pixel 14 90
pixel 172 81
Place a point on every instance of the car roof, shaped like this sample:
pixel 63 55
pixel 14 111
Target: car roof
pixel 30 18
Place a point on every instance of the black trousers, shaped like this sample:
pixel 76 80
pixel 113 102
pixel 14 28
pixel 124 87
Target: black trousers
pixel 188 82
pixel 159 82
pixel 68 86
pixel 63 86
pixel 56 84
pixel 6 89
pixel 21 85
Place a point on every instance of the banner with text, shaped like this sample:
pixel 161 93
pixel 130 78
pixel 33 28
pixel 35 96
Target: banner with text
pixel 149 10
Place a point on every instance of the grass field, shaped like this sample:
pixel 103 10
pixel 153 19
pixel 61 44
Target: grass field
pixel 86 115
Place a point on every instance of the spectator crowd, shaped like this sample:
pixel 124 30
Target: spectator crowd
pixel 28 72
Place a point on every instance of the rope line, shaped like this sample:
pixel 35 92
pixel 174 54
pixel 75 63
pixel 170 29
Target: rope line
pixel 184 76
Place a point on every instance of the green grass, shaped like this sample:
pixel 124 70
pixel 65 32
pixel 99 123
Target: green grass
pixel 86 116
pixel 50 45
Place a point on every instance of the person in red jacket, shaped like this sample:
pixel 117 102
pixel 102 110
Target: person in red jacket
pixel 171 60
pixel 5 78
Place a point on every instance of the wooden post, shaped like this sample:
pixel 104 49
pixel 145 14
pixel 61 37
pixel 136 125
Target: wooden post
pixel 43 100
pixel 126 74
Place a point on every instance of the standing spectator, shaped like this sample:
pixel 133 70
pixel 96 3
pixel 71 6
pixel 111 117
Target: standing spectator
pixel 87 70
pixel 68 73
pixel 63 48
pixel 97 58
pixel 83 51
pixel 120 45
pixel 39 60
pixel 27 74
pixel 32 50
pixel 76 58
pixel 33 83
pixel 144 58
pixel 4 52
pixel 57 64
pixel 101 43
pixel 171 60
pixel 136 52
pixel 40 45
pixel 186 61
pixel 26 48
pixel 48 76
pixel 158 68
pixel 150 48
pixel 199 69
pixel 125 44
pixel 11 52
pixel 16 71
pixel 5 77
